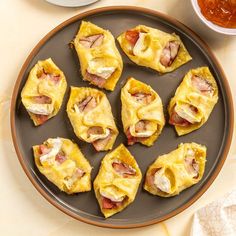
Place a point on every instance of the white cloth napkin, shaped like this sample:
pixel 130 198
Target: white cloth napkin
pixel 217 218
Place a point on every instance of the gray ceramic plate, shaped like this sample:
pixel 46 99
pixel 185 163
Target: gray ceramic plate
pixel 215 134
pixel 71 3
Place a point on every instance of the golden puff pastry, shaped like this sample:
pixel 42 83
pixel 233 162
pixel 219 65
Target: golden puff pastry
pixel 194 101
pixel 117 182
pixel 154 48
pixel 90 114
pixel 142 113
pixel 100 60
pixel 173 172
pixel 62 162
pixel 44 90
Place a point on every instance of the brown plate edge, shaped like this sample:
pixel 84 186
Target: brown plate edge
pixel 184 29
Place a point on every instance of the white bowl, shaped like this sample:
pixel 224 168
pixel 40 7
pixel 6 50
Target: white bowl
pixel 71 3
pixel 211 25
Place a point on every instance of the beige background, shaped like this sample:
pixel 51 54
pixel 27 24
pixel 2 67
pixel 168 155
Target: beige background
pixel 22 209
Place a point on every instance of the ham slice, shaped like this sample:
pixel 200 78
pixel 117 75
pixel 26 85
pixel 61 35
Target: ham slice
pixel 150 178
pixel 40 119
pixel 87 104
pixel 92 41
pixel 192 166
pixel 132 36
pixel 175 119
pixel 132 140
pixel 143 98
pixel 43 149
pixel 109 204
pixel 123 169
pixel 42 99
pixel 202 85
pixel 141 126
pixel 79 173
pixel 169 53
pixel 60 157
pixel 100 144
pixel 95 130
pixel 97 80
pixel 44 75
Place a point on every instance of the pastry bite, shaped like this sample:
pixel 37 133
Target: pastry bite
pixel 117 181
pixel 62 162
pixel 100 60
pixel 91 117
pixel 154 48
pixel 194 101
pixel 173 172
pixel 142 113
pixel 43 92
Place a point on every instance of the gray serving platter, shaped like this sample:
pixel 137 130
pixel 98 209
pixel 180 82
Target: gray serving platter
pixel 147 209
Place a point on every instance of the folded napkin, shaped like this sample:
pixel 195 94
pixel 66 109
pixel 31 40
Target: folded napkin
pixel 217 218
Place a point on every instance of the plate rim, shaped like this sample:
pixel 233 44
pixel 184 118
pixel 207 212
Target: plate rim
pixel 187 31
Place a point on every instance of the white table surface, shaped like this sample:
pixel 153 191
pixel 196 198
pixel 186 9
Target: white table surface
pixel 23 211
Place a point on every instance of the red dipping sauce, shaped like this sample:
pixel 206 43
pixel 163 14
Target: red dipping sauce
pixel 220 12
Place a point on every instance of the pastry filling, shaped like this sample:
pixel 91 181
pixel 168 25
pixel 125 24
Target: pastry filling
pixel 184 115
pixel 42 74
pixel 100 144
pixel 87 104
pixel 69 181
pixel 92 41
pixel 138 41
pixel 97 132
pixel 143 98
pixel 169 53
pixel 98 73
pixel 139 132
pixel 95 79
pixel 49 151
pixel 98 137
pixel 123 169
pixel 40 119
pixel 201 84
pixel 41 105
pixel 161 181
pixel 111 197
pixel 140 46
pixel 191 165
pixel 132 36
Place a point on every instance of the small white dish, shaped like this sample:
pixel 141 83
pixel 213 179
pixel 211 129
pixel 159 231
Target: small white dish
pixel 219 29
pixel 71 3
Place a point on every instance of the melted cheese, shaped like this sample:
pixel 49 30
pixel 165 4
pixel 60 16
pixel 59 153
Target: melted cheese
pixel 186 113
pixel 140 44
pixel 55 148
pixel 40 109
pixel 96 67
pixel 112 193
pixel 162 182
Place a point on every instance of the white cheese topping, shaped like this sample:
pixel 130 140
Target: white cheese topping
pixel 162 182
pixel 186 113
pixel 56 144
pixel 96 67
pixel 112 194
pixel 139 46
pixel 40 109
pixel 105 72
pixel 190 152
